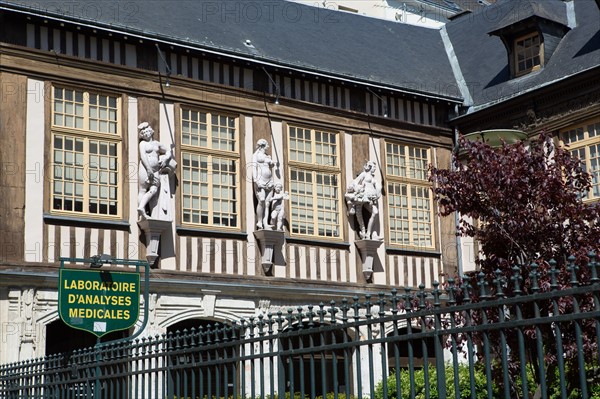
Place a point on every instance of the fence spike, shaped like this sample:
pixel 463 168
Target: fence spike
pixel 251 326
pixel 534 275
pixel 368 306
pixel 356 307
pixel 170 340
pixel 482 285
pixel 465 288
pixel 345 309
pixel 451 291
pixel 332 312
pixel 381 303
pixel 395 300
pixel 422 295
pixel 183 338
pixel 300 317
pixel 516 279
pixel 201 335
pixel 499 281
pixel 279 321
pixel 270 323
pixel 261 325
pixel 436 294
pixel 321 313
pixel 310 314
pixel 553 273
pixel 593 264
pixel 192 337
pixel 408 299
pixel 290 317
pixel 573 268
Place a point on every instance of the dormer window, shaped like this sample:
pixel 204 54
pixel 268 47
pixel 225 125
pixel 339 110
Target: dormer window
pixel 532 34
pixel 528 53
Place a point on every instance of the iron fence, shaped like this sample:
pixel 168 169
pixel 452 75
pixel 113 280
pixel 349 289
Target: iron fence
pixel 466 339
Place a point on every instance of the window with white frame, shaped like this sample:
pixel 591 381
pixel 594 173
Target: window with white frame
pixel 409 197
pixel 86 144
pixel 584 142
pixel 210 169
pixel 314 178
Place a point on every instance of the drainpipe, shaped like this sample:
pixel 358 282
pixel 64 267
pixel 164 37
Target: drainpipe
pixel 459 259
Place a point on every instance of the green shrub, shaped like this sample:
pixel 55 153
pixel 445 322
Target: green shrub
pixel 419 384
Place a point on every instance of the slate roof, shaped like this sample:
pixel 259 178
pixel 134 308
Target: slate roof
pixel 340 44
pixel 552 10
pixel 483 58
pixel 349 46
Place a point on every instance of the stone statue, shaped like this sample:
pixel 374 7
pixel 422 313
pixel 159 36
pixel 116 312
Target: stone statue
pixel 156 160
pixel 262 176
pixel 276 204
pixel 364 193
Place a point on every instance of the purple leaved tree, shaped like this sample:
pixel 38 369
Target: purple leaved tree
pixel 524 204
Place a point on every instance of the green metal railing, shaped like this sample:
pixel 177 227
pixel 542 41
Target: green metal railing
pixel 474 338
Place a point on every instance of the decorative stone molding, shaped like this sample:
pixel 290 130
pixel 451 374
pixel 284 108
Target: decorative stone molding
pixel 153 228
pixel 269 241
pixel 367 250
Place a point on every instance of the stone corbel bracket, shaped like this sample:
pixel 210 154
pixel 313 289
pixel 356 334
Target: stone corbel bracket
pixel 153 228
pixel 367 250
pixel 269 240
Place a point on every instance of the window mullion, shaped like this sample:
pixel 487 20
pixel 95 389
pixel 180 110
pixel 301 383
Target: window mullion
pixel 86 112
pixel 209 177
pixel 411 238
pixel 315 204
pixel 209 131
pixel 86 176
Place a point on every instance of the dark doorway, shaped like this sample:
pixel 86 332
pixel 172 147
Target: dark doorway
pixel 322 368
pixel 423 351
pixel 60 338
pixel 203 368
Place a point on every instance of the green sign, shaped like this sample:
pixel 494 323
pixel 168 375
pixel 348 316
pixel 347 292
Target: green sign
pixel 98 301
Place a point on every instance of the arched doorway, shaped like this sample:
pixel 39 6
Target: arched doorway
pixel 201 367
pixel 317 369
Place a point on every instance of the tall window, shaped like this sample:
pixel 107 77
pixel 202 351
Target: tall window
pixel 210 169
pixel 314 170
pixel 410 201
pixel 86 143
pixel 528 53
pixel 584 142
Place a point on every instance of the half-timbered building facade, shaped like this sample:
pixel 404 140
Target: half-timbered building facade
pixel 328 91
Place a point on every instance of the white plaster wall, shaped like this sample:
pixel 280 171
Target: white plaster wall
pixel 253 254
pixel 34 175
pixel 352 236
pixel 131 179
pixel 167 138
pixel 375 156
pixel 467 249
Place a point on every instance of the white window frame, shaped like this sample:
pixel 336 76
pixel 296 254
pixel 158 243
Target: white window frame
pixel 409 174
pixel 193 198
pixel 529 54
pixel 584 139
pixel 312 226
pixel 88 170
